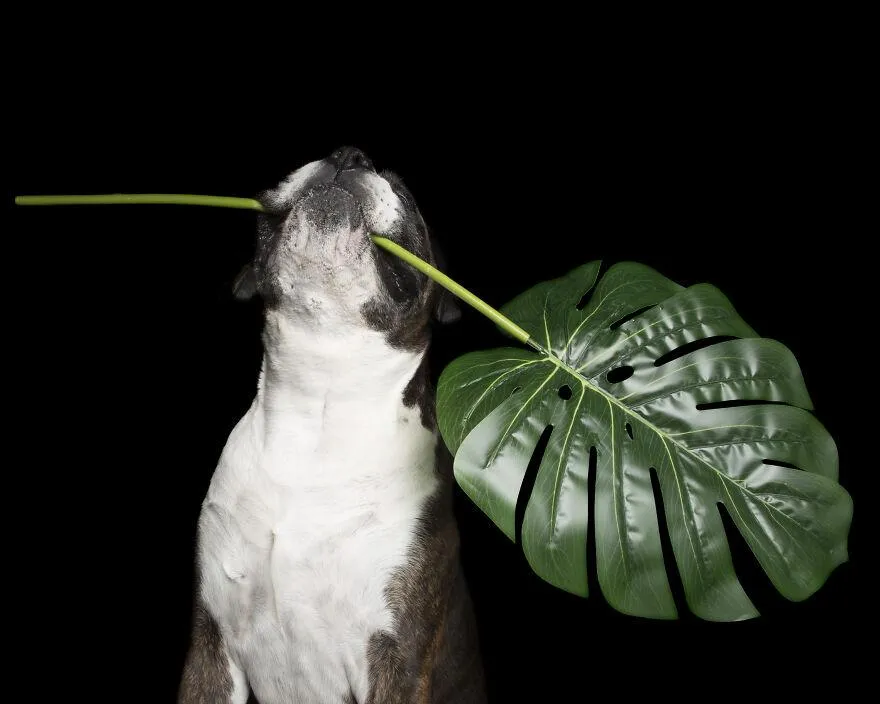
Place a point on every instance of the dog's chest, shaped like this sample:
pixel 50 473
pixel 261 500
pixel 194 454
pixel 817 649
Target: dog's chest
pixel 300 538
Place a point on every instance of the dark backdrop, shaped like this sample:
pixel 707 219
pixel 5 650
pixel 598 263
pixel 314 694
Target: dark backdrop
pixel 135 362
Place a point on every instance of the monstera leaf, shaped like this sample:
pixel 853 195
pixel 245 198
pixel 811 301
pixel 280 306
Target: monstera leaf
pixel 644 376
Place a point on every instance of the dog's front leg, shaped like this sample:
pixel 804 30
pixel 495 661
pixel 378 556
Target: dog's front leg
pixel 209 675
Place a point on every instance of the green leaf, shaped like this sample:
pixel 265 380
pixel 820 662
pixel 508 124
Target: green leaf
pixel 493 407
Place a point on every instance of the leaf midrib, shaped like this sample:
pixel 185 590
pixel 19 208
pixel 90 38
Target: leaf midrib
pixel 665 436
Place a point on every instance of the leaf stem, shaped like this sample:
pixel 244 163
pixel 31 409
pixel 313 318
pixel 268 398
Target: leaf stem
pixel 143 199
pixel 250 204
pixel 456 288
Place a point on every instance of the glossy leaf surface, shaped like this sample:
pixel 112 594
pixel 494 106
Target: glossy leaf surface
pixel 642 371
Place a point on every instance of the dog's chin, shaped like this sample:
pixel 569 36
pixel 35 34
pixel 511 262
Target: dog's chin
pixel 322 260
pixel 326 229
pixel 330 208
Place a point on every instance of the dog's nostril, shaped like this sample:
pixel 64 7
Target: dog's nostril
pixel 351 158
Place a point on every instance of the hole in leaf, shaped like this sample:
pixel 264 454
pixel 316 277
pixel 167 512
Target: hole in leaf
pixel 752 577
pixel 626 318
pixel 675 584
pixel 615 376
pixel 528 482
pixel 583 299
pixel 735 403
pixel 592 568
pixel 780 463
pixel 518 388
pixel 629 430
pixel 692 347
pixel 565 392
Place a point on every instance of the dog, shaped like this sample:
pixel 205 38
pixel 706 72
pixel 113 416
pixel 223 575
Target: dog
pixel 328 565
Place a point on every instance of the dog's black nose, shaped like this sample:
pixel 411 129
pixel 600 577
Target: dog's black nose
pixel 350 158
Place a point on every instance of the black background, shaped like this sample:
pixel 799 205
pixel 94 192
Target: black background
pixel 134 362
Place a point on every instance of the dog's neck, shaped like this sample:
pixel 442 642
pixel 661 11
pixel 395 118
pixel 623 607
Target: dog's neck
pixel 317 377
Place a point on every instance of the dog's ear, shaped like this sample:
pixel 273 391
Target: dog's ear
pixel 446 308
pixel 245 286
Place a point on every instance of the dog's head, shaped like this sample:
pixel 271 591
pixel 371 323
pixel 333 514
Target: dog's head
pixel 315 261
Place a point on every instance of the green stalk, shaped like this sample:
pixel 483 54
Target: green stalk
pixel 250 204
pixel 143 199
pixel 502 321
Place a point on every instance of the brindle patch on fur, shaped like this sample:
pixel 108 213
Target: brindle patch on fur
pixel 405 329
pixel 206 676
pixel 433 655
pixel 420 392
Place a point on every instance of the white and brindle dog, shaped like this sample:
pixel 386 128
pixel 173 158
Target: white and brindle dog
pixel 328 559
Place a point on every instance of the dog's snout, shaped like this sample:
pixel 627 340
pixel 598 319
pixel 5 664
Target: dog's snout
pixel 350 158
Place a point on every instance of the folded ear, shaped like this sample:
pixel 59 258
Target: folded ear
pixel 245 286
pixel 446 308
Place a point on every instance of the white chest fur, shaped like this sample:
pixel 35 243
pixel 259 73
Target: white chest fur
pixel 312 508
